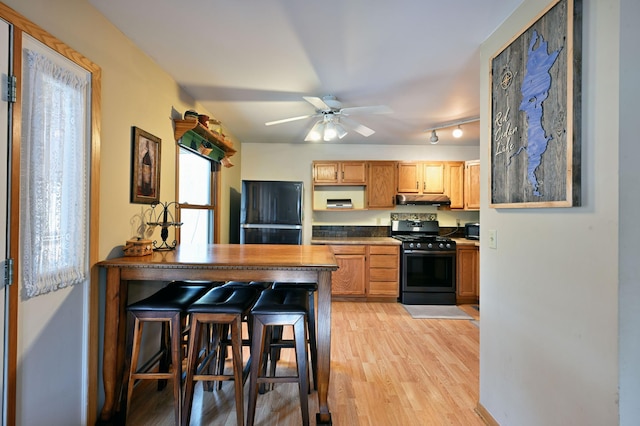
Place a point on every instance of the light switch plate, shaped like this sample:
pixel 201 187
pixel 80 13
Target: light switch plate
pixel 493 238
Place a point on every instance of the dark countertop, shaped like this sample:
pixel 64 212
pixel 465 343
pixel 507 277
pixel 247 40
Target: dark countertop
pixel 356 240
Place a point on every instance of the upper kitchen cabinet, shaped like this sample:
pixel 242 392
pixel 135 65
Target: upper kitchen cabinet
pixel 454 183
pixel 381 187
pixel 472 185
pixel 339 173
pixel 421 177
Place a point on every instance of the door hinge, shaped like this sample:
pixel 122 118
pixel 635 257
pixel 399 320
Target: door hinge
pixel 7 268
pixel 11 90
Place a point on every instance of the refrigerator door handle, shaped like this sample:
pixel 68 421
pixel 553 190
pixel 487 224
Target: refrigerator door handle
pixel 269 226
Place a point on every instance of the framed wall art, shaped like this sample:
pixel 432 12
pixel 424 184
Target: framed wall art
pixel 145 167
pixel 536 112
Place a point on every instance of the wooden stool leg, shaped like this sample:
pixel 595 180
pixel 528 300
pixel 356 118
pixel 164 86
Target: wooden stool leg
pixel 192 360
pixel 176 360
pixel 300 336
pixel 236 350
pixel 257 345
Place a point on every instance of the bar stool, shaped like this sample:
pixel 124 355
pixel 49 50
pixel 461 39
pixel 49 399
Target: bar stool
pixel 279 308
pixel 167 306
pixel 311 288
pixel 220 307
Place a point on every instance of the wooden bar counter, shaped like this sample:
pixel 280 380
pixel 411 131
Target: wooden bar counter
pixel 216 262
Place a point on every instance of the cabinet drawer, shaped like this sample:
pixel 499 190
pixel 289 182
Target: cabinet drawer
pixel 348 249
pixel 383 274
pixel 383 250
pixel 383 288
pixel 383 261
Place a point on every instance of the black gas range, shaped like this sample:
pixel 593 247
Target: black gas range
pixel 427 263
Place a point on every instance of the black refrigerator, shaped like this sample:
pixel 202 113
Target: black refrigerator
pixel 271 212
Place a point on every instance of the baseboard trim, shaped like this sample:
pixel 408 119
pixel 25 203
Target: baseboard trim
pixel 485 416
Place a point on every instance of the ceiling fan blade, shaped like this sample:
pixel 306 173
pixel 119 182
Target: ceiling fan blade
pixel 375 109
pixel 354 125
pixel 286 120
pixel 317 102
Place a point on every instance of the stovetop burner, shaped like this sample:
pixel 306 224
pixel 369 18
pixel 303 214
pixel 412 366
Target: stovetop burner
pixel 423 235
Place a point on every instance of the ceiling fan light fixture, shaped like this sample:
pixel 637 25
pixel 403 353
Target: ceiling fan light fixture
pixel 315 134
pixel 342 132
pixel 457 132
pixel 434 138
pixel 330 131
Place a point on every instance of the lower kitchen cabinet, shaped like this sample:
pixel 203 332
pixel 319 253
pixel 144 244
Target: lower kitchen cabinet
pixel 467 274
pixel 349 279
pixel 383 270
pixel 366 272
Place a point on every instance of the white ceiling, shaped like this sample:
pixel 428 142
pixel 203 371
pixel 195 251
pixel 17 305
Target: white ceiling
pixel 251 61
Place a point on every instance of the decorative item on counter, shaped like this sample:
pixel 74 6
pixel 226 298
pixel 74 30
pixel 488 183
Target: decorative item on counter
pixel 137 247
pixel 190 115
pixel 162 217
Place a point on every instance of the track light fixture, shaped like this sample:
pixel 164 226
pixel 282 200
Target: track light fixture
pixel 434 137
pixel 457 132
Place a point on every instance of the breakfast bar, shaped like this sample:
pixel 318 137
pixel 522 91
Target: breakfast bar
pixel 215 262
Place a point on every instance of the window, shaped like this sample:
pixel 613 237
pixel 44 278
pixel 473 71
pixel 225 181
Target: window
pixel 197 196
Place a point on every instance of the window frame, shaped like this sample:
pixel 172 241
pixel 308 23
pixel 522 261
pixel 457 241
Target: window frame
pixel 214 196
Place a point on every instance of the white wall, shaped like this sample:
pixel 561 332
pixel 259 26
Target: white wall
pixel 293 162
pixel 549 292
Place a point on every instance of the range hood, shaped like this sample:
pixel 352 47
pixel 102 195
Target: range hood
pixel 422 200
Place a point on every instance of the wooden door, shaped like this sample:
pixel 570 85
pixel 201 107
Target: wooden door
pixel 409 178
pixel 467 274
pixel 353 173
pixel 325 172
pixel 433 178
pixel 349 279
pixel 454 175
pixel 381 187
pixel 472 185
pixel 4 196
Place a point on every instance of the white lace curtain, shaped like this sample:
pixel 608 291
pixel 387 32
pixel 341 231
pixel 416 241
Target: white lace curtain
pixel 53 176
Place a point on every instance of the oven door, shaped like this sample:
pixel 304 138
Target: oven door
pixel 428 271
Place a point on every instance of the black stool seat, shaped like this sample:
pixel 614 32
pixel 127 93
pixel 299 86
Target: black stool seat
pixel 285 286
pixel 173 297
pixel 276 308
pixel 222 307
pixel 223 299
pixel 168 306
pixel 260 285
pixel 276 301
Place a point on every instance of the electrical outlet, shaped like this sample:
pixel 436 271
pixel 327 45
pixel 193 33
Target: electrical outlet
pixel 493 238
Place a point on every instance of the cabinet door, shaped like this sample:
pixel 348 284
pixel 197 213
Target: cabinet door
pixel 353 172
pixel 472 185
pixel 433 178
pixel 468 273
pixel 349 279
pixel 325 172
pixel 409 178
pixel 381 189
pixel 454 183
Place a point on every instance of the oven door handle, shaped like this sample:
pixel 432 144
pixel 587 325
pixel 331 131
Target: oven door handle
pixel 451 252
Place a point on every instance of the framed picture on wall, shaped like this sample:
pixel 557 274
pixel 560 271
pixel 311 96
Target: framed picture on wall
pixel 145 167
pixel 536 112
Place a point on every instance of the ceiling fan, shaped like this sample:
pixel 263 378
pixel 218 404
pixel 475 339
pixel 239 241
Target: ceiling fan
pixel 332 118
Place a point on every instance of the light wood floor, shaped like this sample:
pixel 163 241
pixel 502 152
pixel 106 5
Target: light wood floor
pixel 386 369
